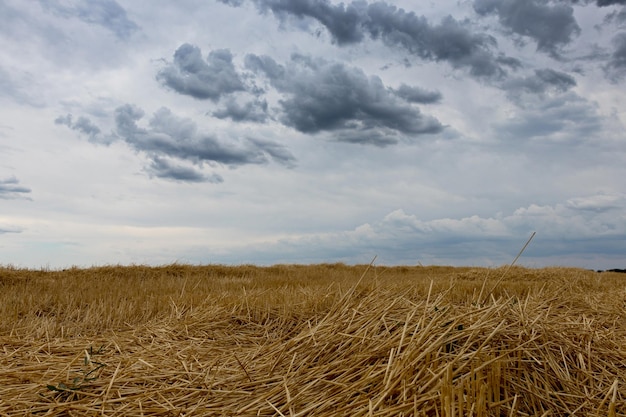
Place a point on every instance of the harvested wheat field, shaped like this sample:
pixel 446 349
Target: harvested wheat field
pixel 317 340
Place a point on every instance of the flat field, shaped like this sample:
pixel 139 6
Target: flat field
pixel 318 340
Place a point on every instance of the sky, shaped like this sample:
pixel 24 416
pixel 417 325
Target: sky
pixel 306 131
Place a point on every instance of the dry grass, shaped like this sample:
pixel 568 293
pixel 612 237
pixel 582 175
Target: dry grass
pixel 312 340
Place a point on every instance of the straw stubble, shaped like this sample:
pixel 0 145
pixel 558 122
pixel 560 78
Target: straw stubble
pixel 311 340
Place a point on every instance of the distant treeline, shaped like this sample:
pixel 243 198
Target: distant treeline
pixel 622 271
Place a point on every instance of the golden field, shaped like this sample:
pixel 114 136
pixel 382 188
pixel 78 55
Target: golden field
pixel 318 340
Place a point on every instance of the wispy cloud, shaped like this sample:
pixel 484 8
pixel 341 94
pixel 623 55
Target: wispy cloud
pixel 105 13
pixel 177 150
pixel 10 189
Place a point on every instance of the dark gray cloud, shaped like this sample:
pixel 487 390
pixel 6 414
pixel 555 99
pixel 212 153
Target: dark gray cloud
pixel 10 189
pixel 542 81
pixel 345 23
pixel 106 13
pixel 328 96
pixel 616 67
pixel 552 26
pixel 602 3
pixel 252 111
pixel 451 41
pixel 162 168
pixel 417 94
pixel 202 79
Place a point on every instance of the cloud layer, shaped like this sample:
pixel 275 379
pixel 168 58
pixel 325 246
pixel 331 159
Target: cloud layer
pixel 404 238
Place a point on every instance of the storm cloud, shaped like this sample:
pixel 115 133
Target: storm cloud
pixel 10 189
pixel 202 79
pixel 450 40
pixel 552 26
pixel 323 95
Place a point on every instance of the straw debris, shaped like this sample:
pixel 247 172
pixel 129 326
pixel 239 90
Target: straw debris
pixel 311 340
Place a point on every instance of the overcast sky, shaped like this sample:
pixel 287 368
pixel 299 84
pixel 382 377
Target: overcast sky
pixel 305 131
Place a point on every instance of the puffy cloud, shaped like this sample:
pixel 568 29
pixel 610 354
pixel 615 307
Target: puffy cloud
pixel 318 95
pixel 10 188
pixel 328 96
pixel 552 26
pixel 202 79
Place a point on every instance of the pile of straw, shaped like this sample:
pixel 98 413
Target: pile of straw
pixel 370 349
